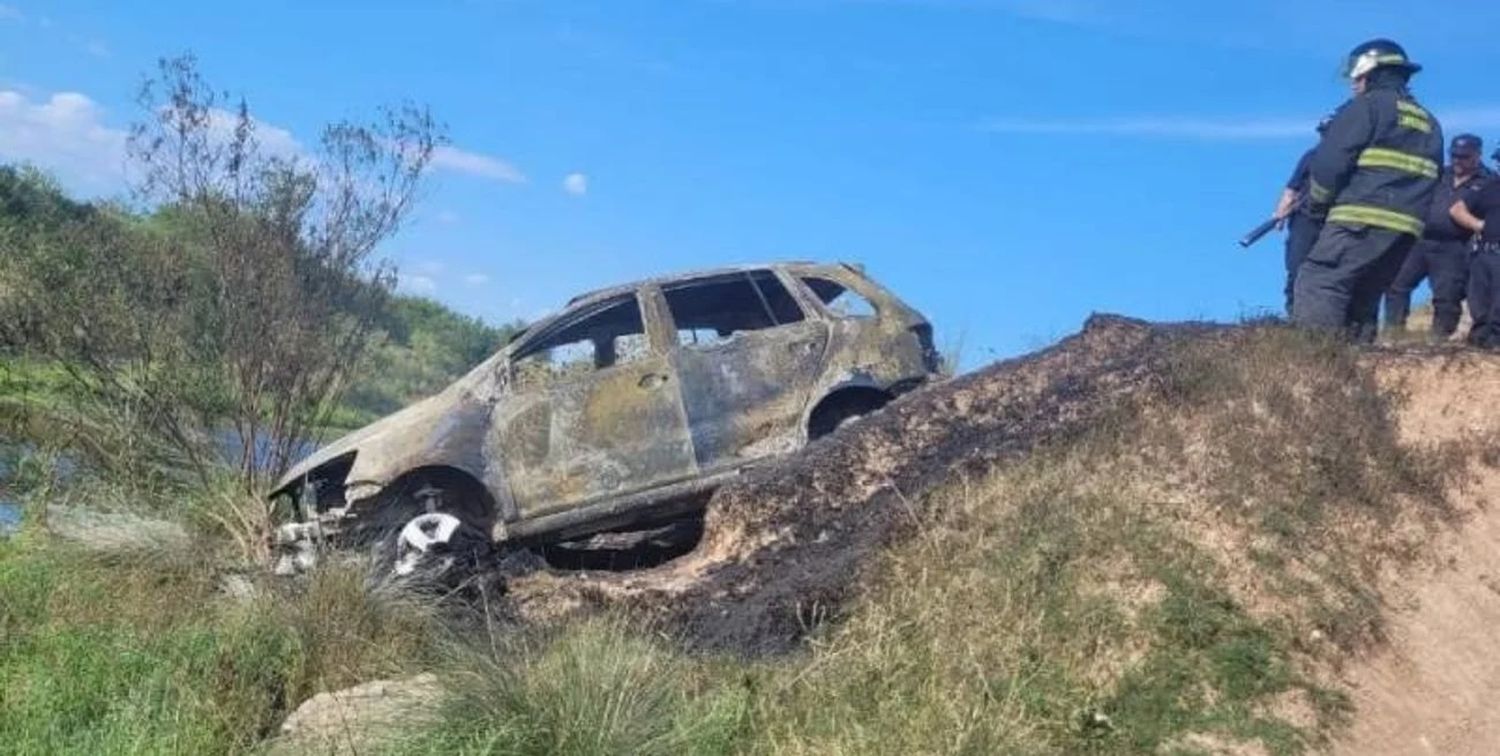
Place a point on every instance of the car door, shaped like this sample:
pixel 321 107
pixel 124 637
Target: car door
pixel 747 356
pixel 593 413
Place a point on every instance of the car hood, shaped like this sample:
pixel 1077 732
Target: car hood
pixel 409 423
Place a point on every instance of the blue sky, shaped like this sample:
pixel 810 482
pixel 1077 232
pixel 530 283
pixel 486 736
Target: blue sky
pixel 1008 166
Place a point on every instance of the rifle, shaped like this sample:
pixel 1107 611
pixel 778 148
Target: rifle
pixel 1265 228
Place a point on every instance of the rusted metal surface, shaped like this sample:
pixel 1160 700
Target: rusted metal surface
pixel 631 398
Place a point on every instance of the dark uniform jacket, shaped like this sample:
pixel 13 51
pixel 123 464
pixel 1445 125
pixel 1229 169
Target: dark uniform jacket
pixel 1302 177
pixel 1378 163
pixel 1440 225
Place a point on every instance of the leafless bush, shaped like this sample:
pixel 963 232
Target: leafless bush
pixel 289 236
pixel 244 297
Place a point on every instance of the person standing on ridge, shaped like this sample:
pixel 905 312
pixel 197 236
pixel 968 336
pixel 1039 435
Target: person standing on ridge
pixel 1480 212
pixel 1372 180
pixel 1291 210
pixel 1442 255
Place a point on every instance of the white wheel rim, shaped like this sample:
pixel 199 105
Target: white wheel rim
pixel 420 536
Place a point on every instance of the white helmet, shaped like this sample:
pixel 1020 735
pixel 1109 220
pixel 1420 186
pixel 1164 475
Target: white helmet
pixel 1375 54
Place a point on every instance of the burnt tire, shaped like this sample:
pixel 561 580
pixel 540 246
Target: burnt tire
pixel 434 545
pixel 433 549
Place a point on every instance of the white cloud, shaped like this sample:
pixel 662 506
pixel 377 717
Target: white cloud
pixel 576 184
pixel 476 279
pixel 430 267
pixel 446 217
pixel 1159 127
pixel 273 140
pixel 1060 11
pixel 97 49
pixel 10 13
pixel 415 283
pixel 475 164
pixel 65 136
pixel 1215 129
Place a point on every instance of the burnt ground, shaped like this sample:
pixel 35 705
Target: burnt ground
pixel 783 547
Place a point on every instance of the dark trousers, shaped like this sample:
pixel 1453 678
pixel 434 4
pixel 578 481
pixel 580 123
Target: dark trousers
pixel 1301 234
pixel 1484 296
pixel 1340 284
pixel 1445 264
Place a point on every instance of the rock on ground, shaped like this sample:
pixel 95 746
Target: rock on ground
pixel 357 719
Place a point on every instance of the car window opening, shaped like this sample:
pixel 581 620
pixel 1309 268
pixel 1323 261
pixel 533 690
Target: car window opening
pixel 613 336
pixel 712 311
pixel 840 299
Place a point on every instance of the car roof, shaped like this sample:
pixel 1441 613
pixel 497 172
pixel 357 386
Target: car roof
pixel 599 295
pixel 692 275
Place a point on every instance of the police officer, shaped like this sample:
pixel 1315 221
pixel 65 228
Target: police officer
pixel 1442 255
pixel 1291 210
pixel 1479 212
pixel 1372 181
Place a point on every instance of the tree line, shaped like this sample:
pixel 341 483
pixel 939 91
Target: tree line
pixel 234 306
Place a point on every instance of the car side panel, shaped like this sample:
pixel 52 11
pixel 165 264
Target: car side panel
pixel 745 398
pixel 612 433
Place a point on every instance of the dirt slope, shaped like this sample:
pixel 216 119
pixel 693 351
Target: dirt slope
pixel 782 547
pixel 1433 688
pixel 789 546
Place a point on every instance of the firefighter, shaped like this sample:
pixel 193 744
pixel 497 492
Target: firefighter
pixel 1442 255
pixel 1372 180
pixel 1291 210
pixel 1479 212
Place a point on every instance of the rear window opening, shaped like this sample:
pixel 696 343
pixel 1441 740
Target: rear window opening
pixel 712 311
pixel 840 300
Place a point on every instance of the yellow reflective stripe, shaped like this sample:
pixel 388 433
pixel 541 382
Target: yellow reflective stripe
pixel 1412 122
pixel 1318 192
pixel 1411 108
pixel 1412 116
pixel 1380 157
pixel 1379 217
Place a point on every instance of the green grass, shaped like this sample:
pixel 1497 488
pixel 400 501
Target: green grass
pixel 141 653
pixel 1151 587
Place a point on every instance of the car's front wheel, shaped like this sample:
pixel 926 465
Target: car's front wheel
pixel 437 546
pixel 432 541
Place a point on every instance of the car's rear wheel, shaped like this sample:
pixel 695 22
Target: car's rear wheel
pixel 841 409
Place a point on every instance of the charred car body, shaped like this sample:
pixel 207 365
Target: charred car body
pixel 618 412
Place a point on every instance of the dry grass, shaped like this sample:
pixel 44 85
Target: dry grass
pixel 1179 579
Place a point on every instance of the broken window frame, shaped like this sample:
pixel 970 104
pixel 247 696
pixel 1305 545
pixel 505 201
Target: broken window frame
pixel 569 320
pixel 804 280
pixel 675 331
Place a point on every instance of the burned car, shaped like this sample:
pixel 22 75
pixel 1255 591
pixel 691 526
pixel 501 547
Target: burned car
pixel 618 413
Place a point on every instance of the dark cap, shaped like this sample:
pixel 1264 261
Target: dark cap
pixel 1466 144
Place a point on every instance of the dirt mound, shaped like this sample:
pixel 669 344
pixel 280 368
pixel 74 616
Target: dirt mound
pixel 782 547
pixel 1331 508
pixel 1431 689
